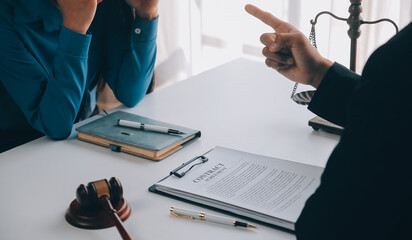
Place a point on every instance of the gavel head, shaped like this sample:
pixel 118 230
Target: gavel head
pixel 88 196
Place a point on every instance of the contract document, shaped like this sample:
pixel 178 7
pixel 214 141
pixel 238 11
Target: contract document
pixel 266 189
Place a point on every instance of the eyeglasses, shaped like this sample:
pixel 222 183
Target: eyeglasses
pixel 180 171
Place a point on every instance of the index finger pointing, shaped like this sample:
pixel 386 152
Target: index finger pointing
pixel 265 17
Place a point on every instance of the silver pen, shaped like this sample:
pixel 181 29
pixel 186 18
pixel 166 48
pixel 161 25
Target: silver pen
pixel 178 212
pixel 147 127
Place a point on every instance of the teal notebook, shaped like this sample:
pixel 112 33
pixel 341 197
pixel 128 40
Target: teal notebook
pixel 148 144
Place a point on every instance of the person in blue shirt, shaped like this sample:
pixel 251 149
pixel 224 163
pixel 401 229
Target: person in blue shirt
pixel 53 53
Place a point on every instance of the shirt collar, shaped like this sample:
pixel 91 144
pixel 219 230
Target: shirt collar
pixel 35 10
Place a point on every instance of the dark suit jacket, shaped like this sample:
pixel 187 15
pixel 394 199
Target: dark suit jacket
pixel 366 188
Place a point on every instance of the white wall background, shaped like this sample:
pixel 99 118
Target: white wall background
pixel 195 35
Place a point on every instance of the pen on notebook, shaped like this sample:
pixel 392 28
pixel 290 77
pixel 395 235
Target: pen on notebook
pixel 177 212
pixel 147 127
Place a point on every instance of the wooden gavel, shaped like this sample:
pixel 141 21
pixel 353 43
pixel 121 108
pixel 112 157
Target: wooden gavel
pixel 103 193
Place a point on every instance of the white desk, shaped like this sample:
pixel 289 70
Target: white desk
pixel 242 105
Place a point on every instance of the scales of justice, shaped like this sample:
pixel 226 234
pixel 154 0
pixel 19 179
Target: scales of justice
pixel 354 21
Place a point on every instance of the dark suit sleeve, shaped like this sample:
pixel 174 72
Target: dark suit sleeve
pixel 332 96
pixel 365 190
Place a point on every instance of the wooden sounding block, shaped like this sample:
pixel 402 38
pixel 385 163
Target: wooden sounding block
pixel 99 205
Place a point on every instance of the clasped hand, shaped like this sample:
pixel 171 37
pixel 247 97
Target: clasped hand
pixel 145 9
pixel 79 14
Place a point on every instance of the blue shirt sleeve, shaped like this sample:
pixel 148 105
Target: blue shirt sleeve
pixel 48 98
pixel 131 54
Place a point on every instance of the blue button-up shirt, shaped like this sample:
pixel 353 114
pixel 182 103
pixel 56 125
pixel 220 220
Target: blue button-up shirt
pixel 48 73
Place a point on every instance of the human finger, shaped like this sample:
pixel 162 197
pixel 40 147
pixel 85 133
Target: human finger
pixel 267 39
pixel 279 57
pixel 276 65
pixel 288 41
pixel 265 17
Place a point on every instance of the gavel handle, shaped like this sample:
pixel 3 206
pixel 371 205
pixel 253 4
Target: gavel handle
pixel 116 219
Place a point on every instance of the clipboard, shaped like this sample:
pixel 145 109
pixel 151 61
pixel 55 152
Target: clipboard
pixel 180 171
pixel 199 163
